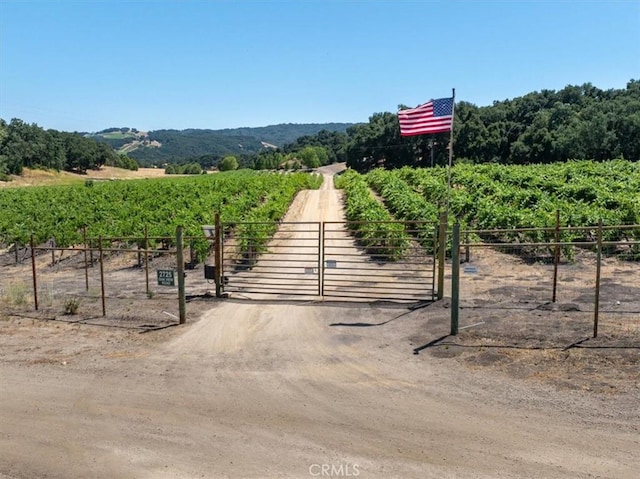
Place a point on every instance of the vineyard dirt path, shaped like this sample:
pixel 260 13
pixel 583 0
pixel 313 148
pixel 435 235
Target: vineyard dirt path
pixel 289 390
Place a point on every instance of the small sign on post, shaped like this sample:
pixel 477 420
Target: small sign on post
pixel 166 277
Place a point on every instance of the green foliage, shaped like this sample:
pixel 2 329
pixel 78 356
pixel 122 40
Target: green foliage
pixel 370 220
pixel 333 143
pixel 188 169
pixel 405 203
pixel 123 161
pixel 268 160
pixel 261 224
pixel 23 145
pixel 71 306
pixel 313 156
pixel 228 163
pixel 540 127
pixel 123 208
pixel 503 197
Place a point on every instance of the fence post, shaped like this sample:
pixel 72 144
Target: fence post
pixel 101 260
pixel 442 249
pixel 320 258
pixel 596 308
pixel 53 251
pixel 180 258
pixel 455 278
pixel 86 264
pixel 15 249
pixel 146 258
pixel 192 255
pixel 436 229
pixel 33 269
pixel 217 254
pixel 556 256
pixel 467 252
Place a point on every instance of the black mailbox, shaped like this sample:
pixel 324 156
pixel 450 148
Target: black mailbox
pixel 209 272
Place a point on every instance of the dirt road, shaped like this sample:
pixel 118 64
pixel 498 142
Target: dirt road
pixel 281 390
pixel 313 261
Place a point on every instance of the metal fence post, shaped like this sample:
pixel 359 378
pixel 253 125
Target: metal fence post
pixel 53 251
pixel 596 308
pixel 320 258
pixel 33 269
pixel 217 254
pixel 556 256
pixel 467 252
pixel 436 229
pixel 442 249
pixel 455 278
pixel 101 260
pixel 180 258
pixel 146 259
pixel 86 261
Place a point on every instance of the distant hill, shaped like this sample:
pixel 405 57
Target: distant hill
pixel 169 146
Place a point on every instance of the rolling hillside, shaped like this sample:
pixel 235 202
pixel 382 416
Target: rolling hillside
pixel 162 146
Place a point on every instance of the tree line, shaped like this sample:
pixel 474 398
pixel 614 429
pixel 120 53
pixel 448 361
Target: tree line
pixel 24 145
pixel 577 122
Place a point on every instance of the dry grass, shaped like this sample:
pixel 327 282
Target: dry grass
pixel 31 177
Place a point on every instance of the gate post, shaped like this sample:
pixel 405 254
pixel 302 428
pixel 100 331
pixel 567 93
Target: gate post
pixel 442 248
pixel 180 258
pixel 217 254
pixel 321 258
pixel 455 278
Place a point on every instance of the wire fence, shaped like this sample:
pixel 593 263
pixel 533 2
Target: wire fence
pixel 530 286
pixel 552 290
pixel 128 282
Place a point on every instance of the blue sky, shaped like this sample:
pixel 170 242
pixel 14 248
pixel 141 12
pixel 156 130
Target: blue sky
pixel 89 65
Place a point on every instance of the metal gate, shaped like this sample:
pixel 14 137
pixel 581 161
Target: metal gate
pixel 335 260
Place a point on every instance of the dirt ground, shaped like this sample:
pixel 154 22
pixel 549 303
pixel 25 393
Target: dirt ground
pixel 264 388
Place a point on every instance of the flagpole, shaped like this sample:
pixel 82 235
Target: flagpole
pixel 453 108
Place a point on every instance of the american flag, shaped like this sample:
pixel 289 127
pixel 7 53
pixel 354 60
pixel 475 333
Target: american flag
pixel 434 116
